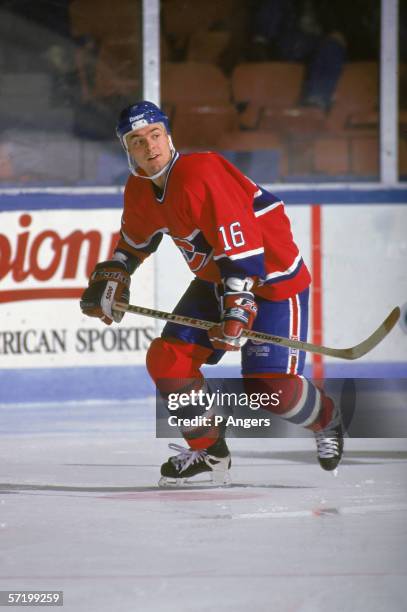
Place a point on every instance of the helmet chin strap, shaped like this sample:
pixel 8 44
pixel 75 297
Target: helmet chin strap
pixel 163 170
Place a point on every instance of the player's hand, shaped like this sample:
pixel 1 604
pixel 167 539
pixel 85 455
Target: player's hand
pixel 108 283
pixel 239 313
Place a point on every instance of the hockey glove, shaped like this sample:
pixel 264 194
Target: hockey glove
pixel 108 283
pixel 239 312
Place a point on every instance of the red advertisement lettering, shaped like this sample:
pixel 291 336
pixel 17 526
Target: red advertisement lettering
pixel 46 255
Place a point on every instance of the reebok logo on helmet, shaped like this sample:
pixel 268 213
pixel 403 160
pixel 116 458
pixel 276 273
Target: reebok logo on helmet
pixel 136 125
pixel 136 117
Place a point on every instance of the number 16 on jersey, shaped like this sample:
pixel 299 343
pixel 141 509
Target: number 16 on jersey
pixel 232 235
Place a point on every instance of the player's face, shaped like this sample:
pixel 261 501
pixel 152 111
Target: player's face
pixel 150 147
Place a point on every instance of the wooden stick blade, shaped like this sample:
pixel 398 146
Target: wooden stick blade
pixel 374 339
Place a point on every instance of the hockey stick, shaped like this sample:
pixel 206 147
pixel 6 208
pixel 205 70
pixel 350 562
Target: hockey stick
pixel 353 352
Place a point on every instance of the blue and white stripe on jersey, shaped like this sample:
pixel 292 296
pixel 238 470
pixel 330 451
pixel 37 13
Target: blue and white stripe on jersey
pixel 248 263
pixel 264 202
pixel 148 246
pixel 241 255
pixel 282 275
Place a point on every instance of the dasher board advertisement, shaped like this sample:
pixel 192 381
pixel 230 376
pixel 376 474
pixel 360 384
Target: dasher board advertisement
pixel 46 257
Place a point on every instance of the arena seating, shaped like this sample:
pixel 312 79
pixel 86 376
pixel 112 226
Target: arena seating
pixel 197 97
pixel 253 108
pixel 356 96
pixel 104 19
pixel 257 86
pixel 118 68
pixel 207 46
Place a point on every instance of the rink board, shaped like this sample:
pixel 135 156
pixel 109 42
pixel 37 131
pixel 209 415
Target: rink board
pixel 50 240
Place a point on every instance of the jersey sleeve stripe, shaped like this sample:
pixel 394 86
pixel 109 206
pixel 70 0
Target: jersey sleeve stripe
pixel 143 245
pixel 240 255
pixel 285 274
pixel 191 236
pixel 263 211
pixel 249 266
pixel 247 254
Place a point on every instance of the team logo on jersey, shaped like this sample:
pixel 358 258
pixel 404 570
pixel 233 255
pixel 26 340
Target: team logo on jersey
pixel 195 249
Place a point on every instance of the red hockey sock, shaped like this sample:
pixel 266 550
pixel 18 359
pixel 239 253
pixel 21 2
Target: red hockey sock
pixel 300 401
pixel 175 368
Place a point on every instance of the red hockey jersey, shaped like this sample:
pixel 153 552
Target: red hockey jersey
pixel 223 223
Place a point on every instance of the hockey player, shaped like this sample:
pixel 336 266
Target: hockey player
pixel 249 274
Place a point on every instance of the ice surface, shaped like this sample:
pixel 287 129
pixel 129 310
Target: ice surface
pixel 80 512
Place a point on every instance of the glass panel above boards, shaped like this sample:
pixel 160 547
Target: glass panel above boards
pixel 288 91
pixel 67 69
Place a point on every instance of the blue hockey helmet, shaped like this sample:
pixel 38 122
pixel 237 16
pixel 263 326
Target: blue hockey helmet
pixel 139 115
pixel 135 117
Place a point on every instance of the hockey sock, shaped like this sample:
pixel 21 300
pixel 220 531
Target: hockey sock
pixel 175 368
pixel 300 401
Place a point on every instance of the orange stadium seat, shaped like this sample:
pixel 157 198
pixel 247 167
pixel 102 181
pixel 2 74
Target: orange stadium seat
pixel 403 157
pixel 207 45
pixel 403 120
pixel 341 154
pixel 197 97
pixel 276 84
pixel 370 120
pixel 252 140
pixel 194 83
pixel 356 96
pixel 202 126
pixel 365 155
pixel 255 140
pixel 181 19
pixel 300 155
pixel 104 18
pixel 294 120
pixel 331 155
pixel 266 87
pixel 164 49
pixel 271 91
pixel 118 69
pixel 82 17
pixel 403 85
pixel 114 29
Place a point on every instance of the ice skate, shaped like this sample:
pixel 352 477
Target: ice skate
pixel 182 469
pixel 330 446
pixel 330 440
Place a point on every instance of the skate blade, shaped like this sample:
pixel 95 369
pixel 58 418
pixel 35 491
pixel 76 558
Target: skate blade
pixel 216 480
